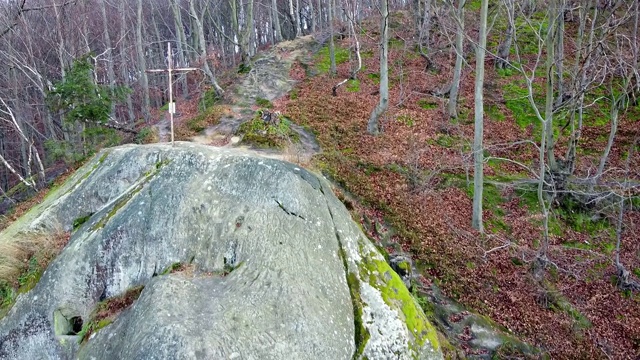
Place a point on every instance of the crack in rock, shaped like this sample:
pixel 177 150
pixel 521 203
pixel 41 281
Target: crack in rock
pixel 288 211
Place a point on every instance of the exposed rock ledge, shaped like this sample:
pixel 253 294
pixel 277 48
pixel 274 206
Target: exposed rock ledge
pixel 280 271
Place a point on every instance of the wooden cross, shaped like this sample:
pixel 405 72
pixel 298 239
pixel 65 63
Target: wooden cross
pixel 170 70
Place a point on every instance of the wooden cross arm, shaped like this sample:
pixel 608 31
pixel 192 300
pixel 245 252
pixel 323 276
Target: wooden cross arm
pixel 172 70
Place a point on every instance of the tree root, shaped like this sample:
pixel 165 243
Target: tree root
pixel 624 282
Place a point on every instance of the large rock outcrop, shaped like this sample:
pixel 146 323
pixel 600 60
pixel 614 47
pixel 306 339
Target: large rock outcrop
pixel 279 269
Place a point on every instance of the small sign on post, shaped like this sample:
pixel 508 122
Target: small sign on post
pixel 170 70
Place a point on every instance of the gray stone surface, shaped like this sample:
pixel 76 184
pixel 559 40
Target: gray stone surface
pixel 279 266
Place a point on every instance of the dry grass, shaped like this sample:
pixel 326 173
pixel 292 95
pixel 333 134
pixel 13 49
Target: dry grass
pixel 19 255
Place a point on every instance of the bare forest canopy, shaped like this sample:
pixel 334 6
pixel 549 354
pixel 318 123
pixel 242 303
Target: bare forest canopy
pixel 99 52
pixel 528 101
pixel 47 45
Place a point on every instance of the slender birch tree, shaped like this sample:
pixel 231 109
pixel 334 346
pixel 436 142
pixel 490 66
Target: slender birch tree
pixel 373 126
pixel 478 161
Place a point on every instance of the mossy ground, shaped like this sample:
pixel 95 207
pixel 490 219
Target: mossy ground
pixel 323 62
pixel 261 134
pixel 208 117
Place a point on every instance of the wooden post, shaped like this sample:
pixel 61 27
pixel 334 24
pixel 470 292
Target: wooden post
pixel 172 109
pixel 170 70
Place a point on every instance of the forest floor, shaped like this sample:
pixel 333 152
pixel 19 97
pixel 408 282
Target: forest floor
pixel 415 177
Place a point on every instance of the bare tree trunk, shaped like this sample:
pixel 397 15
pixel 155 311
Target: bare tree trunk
pixel 505 47
pixel 111 75
pixel 313 17
pixel 275 23
pixel 32 151
pixel 623 274
pixel 235 6
pixel 320 16
pixel 584 54
pixel 571 150
pixel 19 125
pixel 85 26
pixel 478 167
pixel 203 49
pixel 142 64
pixel 619 224
pixel 298 26
pixel 544 246
pixel 332 51
pixel 615 107
pixel 180 43
pixel 559 39
pixel 243 32
pixel 160 55
pixel 292 17
pixel 452 107
pixel 354 72
pixel 373 126
pixel 546 143
pixel 424 36
pixel 124 72
pixel 417 13
pixel 550 47
pixel 4 176
pixel 61 50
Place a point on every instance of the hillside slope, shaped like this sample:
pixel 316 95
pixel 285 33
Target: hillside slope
pixel 414 179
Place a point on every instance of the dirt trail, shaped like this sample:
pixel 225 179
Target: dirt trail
pixel 268 79
pixel 164 130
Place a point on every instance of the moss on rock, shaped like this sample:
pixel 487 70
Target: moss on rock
pixel 361 335
pixel 395 294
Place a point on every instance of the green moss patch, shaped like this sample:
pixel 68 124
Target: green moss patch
pixel 395 294
pixel 427 104
pixel 361 334
pixel 516 100
pixel 406 120
pixel 264 134
pixel 494 113
pixel 353 85
pixel 208 99
pixel 175 267
pixel 81 220
pixel 375 77
pixel 264 103
pixel 323 61
pixel 147 135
